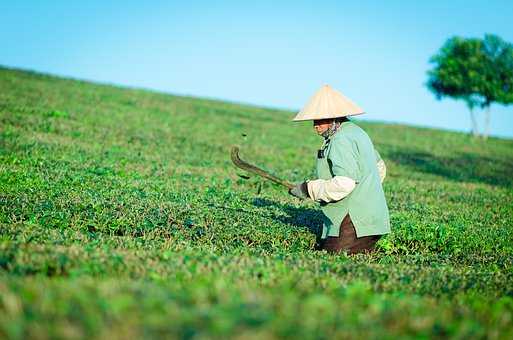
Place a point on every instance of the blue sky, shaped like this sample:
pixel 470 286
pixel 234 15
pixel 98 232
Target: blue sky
pixel 270 53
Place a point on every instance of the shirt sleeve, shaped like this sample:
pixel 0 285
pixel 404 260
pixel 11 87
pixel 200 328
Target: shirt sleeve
pixel 382 169
pixel 330 190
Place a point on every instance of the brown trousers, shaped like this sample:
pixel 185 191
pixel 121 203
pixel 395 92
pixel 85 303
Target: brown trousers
pixel 347 240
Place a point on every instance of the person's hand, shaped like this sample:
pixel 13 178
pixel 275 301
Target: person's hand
pixel 300 191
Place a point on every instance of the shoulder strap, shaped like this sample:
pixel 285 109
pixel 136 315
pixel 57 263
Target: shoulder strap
pixel 330 163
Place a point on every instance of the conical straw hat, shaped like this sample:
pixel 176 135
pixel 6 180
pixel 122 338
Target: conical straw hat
pixel 328 103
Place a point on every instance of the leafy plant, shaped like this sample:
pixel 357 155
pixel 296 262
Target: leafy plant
pixel 126 219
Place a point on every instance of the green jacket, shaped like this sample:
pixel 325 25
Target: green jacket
pixel 350 153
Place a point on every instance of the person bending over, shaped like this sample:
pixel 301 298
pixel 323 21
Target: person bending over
pixel 349 179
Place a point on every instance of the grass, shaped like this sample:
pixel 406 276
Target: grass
pixel 121 216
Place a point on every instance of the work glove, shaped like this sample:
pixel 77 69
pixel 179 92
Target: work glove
pixel 300 191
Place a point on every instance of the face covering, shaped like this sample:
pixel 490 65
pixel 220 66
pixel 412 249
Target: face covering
pixel 332 129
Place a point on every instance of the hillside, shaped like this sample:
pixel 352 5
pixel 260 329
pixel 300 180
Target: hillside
pixel 121 215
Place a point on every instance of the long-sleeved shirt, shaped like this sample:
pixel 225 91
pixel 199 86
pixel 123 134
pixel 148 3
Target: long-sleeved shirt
pixel 338 187
pixel 350 155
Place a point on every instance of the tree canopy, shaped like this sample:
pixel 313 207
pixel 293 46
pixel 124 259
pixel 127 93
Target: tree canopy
pixel 478 71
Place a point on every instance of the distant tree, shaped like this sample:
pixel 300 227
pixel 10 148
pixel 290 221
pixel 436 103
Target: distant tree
pixel 477 71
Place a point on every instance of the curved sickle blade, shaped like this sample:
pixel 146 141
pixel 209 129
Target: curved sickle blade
pixel 256 170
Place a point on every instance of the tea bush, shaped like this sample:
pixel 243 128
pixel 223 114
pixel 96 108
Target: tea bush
pixel 122 216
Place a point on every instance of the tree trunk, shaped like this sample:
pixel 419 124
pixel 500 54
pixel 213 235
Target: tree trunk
pixel 475 131
pixel 487 123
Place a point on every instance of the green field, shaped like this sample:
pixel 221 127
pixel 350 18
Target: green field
pixel 122 216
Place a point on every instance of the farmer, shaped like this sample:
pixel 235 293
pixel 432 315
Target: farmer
pixel 349 176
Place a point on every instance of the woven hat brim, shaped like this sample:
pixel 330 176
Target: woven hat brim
pixel 316 116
